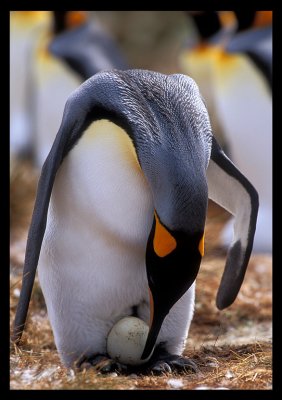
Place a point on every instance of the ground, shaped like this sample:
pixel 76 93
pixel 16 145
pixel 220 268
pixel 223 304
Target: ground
pixel 232 348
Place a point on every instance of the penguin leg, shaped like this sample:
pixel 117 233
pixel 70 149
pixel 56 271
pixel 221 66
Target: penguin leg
pixel 101 363
pixel 164 362
pixel 161 362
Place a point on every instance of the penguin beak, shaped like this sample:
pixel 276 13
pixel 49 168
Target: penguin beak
pixel 157 316
pixel 172 261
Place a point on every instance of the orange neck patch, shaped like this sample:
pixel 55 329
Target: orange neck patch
pixel 164 243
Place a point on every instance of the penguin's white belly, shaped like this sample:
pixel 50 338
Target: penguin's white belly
pixel 92 262
pixel 245 109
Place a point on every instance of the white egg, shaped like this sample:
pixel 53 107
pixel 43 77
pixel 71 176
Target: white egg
pixel 126 341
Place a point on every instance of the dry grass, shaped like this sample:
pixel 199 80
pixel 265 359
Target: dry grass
pixel 232 348
pixel 23 181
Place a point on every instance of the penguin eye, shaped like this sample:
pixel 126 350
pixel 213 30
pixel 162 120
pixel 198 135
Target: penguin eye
pixel 164 243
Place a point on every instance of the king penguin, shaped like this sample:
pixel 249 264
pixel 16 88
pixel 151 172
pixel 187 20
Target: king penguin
pixel 243 100
pixel 196 59
pixel 119 217
pixel 26 28
pixel 67 49
pixel 233 65
pixel 75 48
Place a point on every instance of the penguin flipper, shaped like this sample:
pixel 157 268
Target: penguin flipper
pixel 229 188
pixel 39 217
pixel 34 241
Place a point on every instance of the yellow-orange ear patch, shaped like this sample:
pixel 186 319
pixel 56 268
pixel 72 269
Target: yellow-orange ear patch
pixel 202 245
pixel 75 18
pixel 164 243
pixel 263 18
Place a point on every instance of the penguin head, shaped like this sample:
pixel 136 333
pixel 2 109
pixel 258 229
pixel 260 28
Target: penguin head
pixel 64 20
pixel 175 246
pixel 83 44
pixel 207 23
pixel 252 19
pixel 213 27
pixel 173 260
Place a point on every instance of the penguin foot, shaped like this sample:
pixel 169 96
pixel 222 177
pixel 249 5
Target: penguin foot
pixel 102 364
pixel 173 363
pixel 164 362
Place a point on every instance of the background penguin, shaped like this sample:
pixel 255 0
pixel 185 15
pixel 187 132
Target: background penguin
pixel 79 48
pixel 196 59
pixel 88 48
pixel 243 94
pixel 25 31
pixel 68 49
pixel 239 81
pixel 128 179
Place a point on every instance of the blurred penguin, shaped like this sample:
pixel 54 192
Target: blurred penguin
pixel 210 30
pixel 79 48
pixel 70 50
pixel 243 95
pixel 233 65
pixel 25 31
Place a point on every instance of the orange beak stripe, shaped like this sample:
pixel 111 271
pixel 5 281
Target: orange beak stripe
pixel 202 245
pixel 164 243
pixel 151 308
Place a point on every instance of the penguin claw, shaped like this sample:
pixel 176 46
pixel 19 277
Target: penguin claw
pixel 183 364
pixel 173 363
pixel 101 363
pixel 112 366
pixel 86 362
pixel 164 362
pixel 161 363
pixel 160 367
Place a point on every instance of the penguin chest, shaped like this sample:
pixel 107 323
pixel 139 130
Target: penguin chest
pixel 102 184
pixel 99 219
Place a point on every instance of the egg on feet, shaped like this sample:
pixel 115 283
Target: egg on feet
pixel 126 341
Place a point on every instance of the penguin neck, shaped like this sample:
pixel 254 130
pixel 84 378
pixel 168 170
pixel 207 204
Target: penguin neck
pixel 180 194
